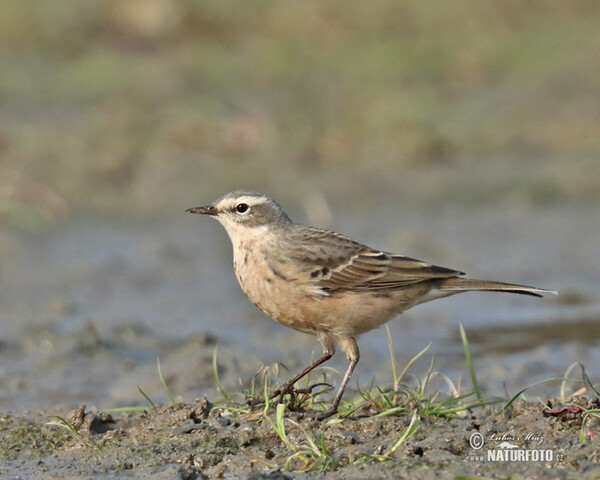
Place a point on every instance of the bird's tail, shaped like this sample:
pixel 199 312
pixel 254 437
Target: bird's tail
pixel 459 284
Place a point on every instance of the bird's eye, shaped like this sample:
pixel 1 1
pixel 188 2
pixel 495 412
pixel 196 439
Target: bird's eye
pixel 242 207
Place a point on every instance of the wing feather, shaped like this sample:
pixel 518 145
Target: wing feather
pixel 330 262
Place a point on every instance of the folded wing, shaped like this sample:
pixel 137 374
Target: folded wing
pixel 332 262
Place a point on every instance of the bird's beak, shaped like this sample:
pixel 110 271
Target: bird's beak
pixel 206 210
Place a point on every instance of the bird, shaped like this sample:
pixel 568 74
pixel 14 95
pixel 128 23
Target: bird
pixel 324 283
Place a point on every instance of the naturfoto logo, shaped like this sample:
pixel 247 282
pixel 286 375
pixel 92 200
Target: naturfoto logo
pixel 508 447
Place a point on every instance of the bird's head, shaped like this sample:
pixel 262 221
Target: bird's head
pixel 243 211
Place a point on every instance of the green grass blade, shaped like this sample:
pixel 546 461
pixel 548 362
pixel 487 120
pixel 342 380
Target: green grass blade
pixel 64 423
pixel 279 426
pixel 563 384
pixel 392 357
pixel 391 411
pixel 541 382
pixel 125 409
pixel 267 399
pixel 428 376
pixel 410 364
pixel 587 379
pixel 280 421
pixel 226 396
pixel 148 399
pixel 164 384
pixel 412 428
pixel 463 336
pixel 584 423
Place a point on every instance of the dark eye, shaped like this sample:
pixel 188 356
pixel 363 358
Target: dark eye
pixel 241 208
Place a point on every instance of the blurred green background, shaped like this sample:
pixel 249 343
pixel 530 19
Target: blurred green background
pixel 139 106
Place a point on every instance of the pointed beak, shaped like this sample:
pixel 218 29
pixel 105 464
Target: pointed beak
pixel 206 210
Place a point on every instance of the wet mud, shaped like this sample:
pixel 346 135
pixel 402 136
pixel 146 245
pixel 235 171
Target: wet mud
pixel 198 440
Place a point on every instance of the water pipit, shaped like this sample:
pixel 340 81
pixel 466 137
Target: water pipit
pixel 325 284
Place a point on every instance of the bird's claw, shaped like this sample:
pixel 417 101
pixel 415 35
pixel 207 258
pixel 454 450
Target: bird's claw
pixel 287 390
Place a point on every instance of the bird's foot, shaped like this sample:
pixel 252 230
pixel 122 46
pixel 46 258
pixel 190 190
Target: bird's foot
pixel 322 415
pixel 284 390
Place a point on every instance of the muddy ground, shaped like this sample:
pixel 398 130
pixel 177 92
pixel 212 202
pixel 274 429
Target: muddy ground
pixel 211 437
pixel 196 440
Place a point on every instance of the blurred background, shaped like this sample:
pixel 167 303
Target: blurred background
pixel 463 133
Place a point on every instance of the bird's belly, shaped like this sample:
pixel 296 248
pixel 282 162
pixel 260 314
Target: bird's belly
pixel 305 308
pixel 340 314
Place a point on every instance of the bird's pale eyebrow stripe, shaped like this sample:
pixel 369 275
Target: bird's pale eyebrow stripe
pixel 250 200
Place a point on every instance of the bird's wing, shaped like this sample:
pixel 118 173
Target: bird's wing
pixel 330 261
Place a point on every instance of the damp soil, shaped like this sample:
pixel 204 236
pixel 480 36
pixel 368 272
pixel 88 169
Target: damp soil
pixel 199 440
pixel 210 437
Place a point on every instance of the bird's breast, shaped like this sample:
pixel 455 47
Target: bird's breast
pixel 281 298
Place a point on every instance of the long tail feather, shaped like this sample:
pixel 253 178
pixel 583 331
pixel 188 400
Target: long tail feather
pixel 459 284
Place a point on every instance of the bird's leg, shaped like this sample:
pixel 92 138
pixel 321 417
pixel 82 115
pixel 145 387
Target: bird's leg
pixel 328 351
pixel 336 401
pixel 288 387
pixel 351 348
